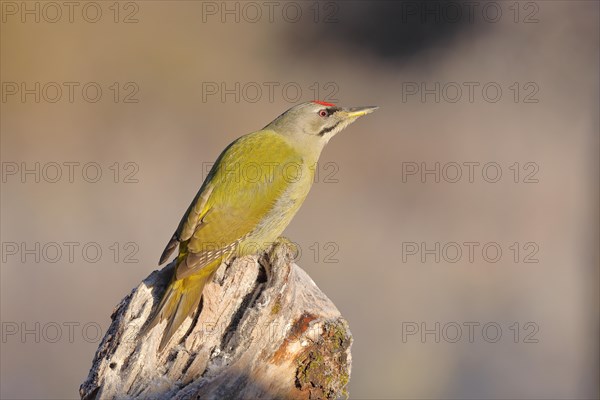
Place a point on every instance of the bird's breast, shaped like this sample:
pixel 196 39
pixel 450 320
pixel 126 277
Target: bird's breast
pixel 282 211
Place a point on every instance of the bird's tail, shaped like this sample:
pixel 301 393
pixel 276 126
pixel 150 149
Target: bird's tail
pixel 179 301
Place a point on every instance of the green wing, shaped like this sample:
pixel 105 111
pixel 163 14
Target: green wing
pixel 242 187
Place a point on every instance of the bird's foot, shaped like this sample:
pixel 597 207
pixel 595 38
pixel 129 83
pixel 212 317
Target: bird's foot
pixel 292 248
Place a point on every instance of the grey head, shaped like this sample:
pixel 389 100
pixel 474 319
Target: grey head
pixel 316 121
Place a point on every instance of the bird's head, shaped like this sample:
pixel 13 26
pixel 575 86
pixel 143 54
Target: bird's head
pixel 316 121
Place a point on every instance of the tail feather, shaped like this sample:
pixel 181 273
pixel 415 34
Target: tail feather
pixel 173 243
pixel 179 301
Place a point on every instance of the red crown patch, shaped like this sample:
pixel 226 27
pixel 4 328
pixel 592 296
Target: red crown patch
pixel 323 103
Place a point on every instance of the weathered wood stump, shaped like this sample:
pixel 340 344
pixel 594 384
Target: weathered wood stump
pixel 280 338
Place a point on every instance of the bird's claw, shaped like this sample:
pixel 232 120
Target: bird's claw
pixel 293 249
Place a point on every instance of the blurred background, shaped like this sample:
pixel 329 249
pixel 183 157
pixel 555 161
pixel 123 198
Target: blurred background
pixel 456 228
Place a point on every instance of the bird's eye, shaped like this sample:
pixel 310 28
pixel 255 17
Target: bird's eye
pixel 323 113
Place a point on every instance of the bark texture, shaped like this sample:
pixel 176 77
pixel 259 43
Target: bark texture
pixel 276 338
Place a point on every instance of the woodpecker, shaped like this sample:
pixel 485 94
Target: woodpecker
pixel 250 195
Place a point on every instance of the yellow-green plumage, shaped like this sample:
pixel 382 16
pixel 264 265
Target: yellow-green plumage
pixel 254 189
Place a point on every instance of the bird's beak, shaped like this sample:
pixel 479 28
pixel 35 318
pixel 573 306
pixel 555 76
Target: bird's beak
pixel 356 112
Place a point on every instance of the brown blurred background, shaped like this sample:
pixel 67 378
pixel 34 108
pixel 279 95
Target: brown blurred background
pixel 368 224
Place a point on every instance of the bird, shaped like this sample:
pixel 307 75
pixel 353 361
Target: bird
pixel 248 198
